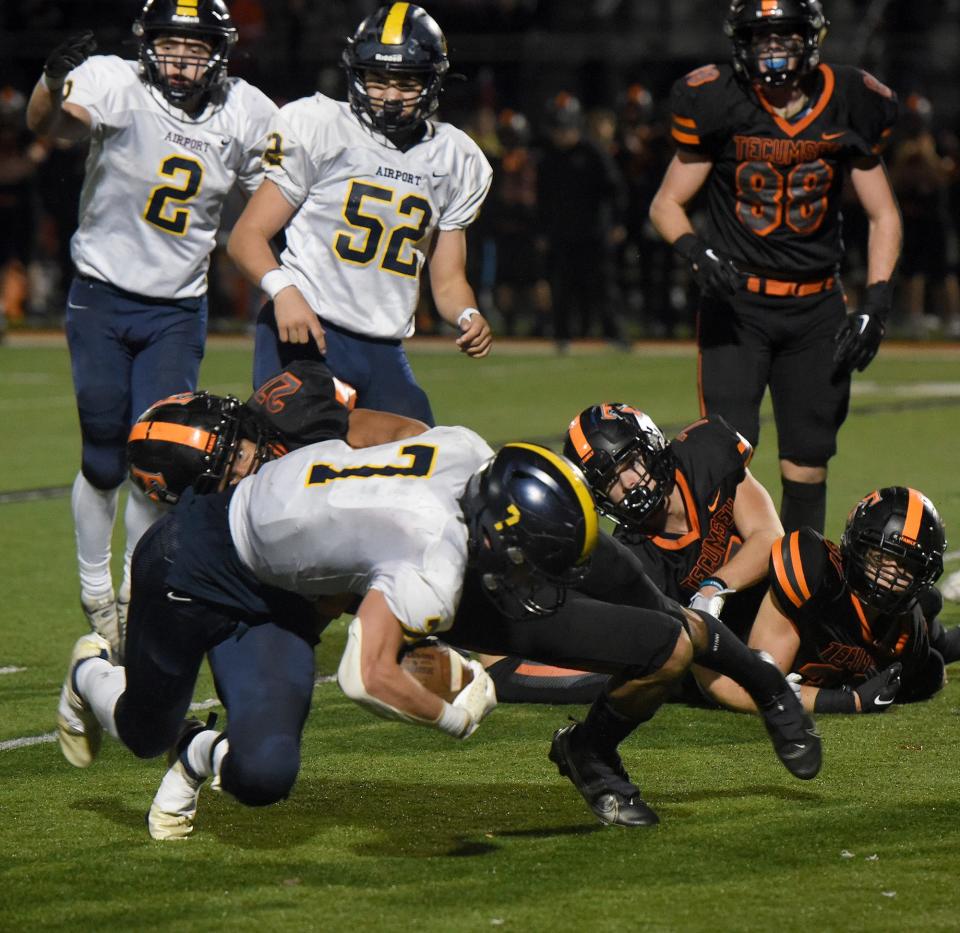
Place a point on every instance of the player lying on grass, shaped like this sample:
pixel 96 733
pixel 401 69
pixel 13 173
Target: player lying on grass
pixel 857 624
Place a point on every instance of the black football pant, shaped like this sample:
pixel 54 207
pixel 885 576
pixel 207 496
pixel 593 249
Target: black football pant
pixel 615 621
pixel 755 341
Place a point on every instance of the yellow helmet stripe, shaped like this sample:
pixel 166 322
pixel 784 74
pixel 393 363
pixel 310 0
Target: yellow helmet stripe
pixel 393 25
pixel 579 486
pixel 187 8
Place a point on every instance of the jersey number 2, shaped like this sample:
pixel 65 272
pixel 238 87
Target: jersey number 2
pixel 766 198
pixel 362 246
pixel 421 459
pixel 160 211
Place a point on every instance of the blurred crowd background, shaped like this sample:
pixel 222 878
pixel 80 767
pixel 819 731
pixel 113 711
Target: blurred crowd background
pixel 569 99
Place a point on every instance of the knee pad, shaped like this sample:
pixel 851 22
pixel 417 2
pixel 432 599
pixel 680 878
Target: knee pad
pixel 264 774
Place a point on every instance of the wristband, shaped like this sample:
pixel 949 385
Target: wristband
pixel 835 700
pixel 275 281
pixel 717 582
pixel 453 720
pixel 465 316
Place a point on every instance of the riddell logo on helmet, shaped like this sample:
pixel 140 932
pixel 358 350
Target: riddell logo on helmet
pixel 388 58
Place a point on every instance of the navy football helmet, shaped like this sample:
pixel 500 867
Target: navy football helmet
pixel 191 439
pixel 748 21
pixel 208 20
pixel 401 40
pixel 531 528
pixel 604 438
pixel 892 548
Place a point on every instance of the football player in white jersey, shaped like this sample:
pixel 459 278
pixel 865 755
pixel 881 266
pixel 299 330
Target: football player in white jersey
pixel 388 530
pixel 169 136
pixel 368 191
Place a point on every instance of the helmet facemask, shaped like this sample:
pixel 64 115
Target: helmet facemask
pixel 400 42
pixel 765 42
pixel 161 69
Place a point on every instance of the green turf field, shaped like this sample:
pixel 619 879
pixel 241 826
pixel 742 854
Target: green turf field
pixel 396 828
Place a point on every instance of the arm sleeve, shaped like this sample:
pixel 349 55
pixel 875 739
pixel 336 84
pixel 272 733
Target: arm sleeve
pixel 97 86
pixel 692 124
pixel 873 111
pixel 262 116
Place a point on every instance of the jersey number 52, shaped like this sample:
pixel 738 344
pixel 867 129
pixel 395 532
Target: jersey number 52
pixel 362 245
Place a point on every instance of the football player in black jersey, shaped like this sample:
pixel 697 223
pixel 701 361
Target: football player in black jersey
pixel 771 137
pixel 693 513
pixel 857 624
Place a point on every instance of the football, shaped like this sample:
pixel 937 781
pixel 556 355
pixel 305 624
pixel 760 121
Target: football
pixel 438 668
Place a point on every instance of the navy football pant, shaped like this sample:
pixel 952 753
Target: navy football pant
pixel 126 353
pixel 378 369
pixel 264 676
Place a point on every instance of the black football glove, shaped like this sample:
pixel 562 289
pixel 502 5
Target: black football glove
pixel 858 338
pixel 877 693
pixel 68 55
pixel 715 274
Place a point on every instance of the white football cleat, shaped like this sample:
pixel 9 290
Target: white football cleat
pixel 175 804
pixel 103 618
pixel 951 587
pixel 78 730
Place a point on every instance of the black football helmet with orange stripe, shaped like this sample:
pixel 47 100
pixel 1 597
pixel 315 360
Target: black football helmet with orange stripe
pixel 750 20
pixel 531 528
pixel 892 548
pixel 604 438
pixel 190 439
pixel 402 40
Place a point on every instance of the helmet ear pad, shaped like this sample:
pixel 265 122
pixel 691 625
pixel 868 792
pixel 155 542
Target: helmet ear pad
pixel 531 527
pixel 892 548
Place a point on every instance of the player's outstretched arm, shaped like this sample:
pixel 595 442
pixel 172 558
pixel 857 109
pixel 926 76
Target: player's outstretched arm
pixel 370 674
pixel 455 300
pixel 47 112
pixel 265 215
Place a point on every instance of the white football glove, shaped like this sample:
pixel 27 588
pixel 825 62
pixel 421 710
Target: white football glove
pixel 713 605
pixel 794 681
pixel 477 699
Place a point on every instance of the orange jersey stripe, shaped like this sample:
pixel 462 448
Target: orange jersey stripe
pixel 781 571
pixel 688 138
pixel 546 670
pixel 685 121
pixel 796 564
pixel 864 624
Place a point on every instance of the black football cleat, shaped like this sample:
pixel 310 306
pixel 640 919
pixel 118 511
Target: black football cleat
pixel 601 780
pixel 794 735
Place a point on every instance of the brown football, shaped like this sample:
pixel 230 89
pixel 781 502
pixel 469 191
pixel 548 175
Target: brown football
pixel 438 668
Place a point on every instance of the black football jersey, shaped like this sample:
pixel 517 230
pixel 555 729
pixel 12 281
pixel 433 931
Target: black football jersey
pixel 773 196
pixel 838 644
pixel 711 463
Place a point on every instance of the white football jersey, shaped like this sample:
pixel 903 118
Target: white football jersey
pixel 155 184
pixel 330 519
pixel 367 211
